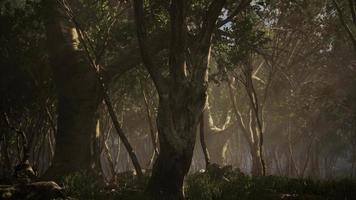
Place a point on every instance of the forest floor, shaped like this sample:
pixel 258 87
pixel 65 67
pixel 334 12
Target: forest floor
pixel 215 184
pixel 219 184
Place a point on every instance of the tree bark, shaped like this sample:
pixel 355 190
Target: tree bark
pixel 202 140
pixel 176 129
pixel 80 89
pixel 77 92
pixel 151 126
pixel 6 166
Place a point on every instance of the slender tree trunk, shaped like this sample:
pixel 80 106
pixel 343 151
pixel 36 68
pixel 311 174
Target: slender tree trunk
pixel 151 126
pixel 251 137
pixel 121 134
pixel 256 168
pixel 277 161
pixel 216 137
pixel 6 159
pixel 315 168
pixel 353 155
pixel 202 140
pixel 353 164
pixel 256 114
pixel 307 159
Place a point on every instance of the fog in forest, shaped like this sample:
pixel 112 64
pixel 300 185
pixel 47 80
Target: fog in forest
pixel 170 89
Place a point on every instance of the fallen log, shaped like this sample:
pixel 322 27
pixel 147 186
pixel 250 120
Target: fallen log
pixel 32 191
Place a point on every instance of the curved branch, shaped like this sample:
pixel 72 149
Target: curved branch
pixel 155 73
pixel 211 123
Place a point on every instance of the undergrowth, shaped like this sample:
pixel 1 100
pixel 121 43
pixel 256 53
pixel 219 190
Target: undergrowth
pixel 220 184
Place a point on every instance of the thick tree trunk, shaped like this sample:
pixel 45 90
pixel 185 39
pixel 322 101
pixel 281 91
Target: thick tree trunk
pixel 181 96
pixel 177 129
pixel 77 104
pixel 77 92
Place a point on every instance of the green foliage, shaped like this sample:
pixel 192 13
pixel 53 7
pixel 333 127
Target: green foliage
pixel 202 186
pixel 83 186
pixel 130 187
pixel 217 183
pixel 231 185
pixel 236 185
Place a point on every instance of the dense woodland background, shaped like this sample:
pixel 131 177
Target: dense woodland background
pixel 268 87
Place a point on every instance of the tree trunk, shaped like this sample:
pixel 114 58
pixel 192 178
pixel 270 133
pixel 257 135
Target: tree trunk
pixel 6 163
pixel 151 126
pixel 315 168
pixel 77 105
pixel 256 168
pixel 177 128
pixel 276 158
pixel 353 165
pixel 202 140
pixel 77 92
pixel 181 97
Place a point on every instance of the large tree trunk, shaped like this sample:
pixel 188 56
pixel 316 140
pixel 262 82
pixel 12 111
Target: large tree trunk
pixel 77 92
pixel 77 105
pixel 177 128
pixel 182 96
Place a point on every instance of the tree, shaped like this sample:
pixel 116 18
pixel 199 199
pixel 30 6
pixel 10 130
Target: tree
pixel 77 92
pixel 27 95
pixel 181 89
pixel 80 90
pixel 241 66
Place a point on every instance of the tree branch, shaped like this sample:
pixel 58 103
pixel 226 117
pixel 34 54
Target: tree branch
pixel 202 50
pixel 209 23
pixel 156 75
pixel 353 11
pixel 178 39
pixel 243 4
pixel 211 124
pixel 342 20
